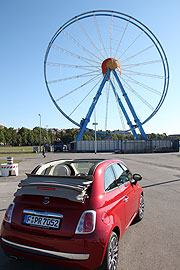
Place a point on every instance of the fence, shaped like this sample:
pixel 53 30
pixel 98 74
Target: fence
pixel 127 146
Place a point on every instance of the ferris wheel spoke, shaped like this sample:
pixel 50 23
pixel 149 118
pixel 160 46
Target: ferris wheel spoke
pixel 84 98
pixel 118 107
pixel 132 43
pixel 123 34
pixel 143 85
pixel 90 41
pixel 72 66
pixel 138 95
pixel 79 87
pixel 70 37
pixel 84 59
pixel 137 54
pixel 126 67
pixel 92 73
pixel 107 103
pixel 142 74
pixel 99 35
pixel 110 38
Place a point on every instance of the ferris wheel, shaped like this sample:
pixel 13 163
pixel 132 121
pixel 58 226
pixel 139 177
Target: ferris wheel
pixel 106 67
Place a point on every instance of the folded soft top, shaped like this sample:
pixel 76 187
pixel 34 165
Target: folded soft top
pixel 73 188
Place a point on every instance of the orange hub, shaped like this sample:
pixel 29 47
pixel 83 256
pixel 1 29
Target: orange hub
pixel 110 63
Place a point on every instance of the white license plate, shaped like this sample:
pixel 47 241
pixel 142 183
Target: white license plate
pixel 43 222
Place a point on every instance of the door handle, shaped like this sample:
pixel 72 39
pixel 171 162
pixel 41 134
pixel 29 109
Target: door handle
pixel 126 199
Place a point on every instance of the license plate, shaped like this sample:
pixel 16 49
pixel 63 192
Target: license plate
pixel 40 221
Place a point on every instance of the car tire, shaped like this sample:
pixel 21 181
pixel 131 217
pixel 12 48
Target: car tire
pixel 110 261
pixel 140 213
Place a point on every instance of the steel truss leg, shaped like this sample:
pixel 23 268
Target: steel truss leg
pixel 136 119
pixel 124 112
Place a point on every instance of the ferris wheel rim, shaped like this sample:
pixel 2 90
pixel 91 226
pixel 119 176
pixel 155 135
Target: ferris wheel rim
pixel 136 23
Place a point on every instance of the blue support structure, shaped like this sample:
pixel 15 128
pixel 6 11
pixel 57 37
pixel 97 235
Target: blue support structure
pixel 136 119
pixel 124 112
pixel 86 120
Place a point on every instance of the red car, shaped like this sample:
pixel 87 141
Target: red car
pixel 73 213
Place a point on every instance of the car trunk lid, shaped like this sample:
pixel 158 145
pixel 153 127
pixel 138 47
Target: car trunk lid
pixel 50 205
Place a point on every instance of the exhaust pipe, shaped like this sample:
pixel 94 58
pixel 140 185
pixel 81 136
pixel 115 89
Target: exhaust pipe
pixel 13 257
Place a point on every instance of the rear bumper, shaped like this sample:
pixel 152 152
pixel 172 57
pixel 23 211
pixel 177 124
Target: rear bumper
pixel 45 252
pixel 77 251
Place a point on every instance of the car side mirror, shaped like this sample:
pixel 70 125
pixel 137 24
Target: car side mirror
pixel 137 177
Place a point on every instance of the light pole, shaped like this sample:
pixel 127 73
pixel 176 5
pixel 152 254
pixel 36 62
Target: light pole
pixel 95 124
pixel 95 141
pixel 40 131
pixel 47 132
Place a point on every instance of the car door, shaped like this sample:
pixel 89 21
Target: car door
pixel 133 185
pixel 113 198
pixel 123 178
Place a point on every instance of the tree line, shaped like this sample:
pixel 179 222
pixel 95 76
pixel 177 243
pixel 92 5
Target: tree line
pixel 27 137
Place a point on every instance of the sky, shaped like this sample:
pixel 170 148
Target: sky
pixel 26 28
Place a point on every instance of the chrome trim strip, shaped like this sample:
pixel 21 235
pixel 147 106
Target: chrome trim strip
pixel 70 256
pixel 46 214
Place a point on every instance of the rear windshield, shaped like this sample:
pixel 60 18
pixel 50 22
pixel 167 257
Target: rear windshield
pixel 84 167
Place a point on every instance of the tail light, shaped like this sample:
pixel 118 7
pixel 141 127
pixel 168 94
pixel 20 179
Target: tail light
pixel 8 214
pixel 87 222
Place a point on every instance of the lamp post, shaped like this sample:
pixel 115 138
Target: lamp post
pixel 47 132
pixel 95 141
pixel 40 131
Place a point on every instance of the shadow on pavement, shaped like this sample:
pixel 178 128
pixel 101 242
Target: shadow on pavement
pixel 9 264
pixel 162 183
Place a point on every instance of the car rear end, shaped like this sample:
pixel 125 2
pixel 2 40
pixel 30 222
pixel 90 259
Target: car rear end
pixel 53 229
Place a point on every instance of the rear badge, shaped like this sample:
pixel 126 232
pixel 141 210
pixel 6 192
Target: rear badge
pixel 46 200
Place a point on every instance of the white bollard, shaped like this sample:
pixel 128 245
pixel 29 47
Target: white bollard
pixel 4 171
pixel 9 160
pixel 10 168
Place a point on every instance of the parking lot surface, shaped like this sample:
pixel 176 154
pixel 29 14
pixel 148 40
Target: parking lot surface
pixel 154 243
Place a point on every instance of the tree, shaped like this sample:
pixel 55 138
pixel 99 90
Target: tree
pixel 8 136
pixel 36 135
pixel 19 140
pixel 13 135
pixel 30 137
pixel 24 132
pixel 68 136
pixel 2 137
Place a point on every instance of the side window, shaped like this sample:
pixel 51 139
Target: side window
pixel 109 179
pixel 122 173
pixel 129 174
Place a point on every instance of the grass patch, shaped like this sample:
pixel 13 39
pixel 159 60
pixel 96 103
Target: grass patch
pixel 4 161
pixel 16 151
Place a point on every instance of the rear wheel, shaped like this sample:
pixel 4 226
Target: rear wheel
pixel 140 213
pixel 112 252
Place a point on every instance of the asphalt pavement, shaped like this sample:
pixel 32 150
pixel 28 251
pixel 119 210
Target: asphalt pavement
pixel 152 244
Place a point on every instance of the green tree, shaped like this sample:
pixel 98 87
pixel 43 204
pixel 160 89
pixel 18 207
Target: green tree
pixel 8 136
pixel 24 133
pixel 2 137
pixel 30 137
pixel 36 135
pixel 13 135
pixel 19 140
